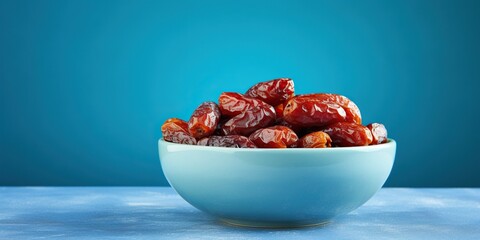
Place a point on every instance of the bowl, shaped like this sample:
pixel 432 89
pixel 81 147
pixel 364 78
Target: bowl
pixel 291 187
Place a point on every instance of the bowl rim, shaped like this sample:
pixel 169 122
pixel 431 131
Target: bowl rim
pixel 390 143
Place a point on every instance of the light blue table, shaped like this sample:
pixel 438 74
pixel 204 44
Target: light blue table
pixel 159 213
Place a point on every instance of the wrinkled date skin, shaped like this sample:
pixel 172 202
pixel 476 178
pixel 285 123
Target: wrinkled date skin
pixel 315 140
pixel 176 130
pixel 346 134
pixel 233 141
pixel 274 137
pixel 249 121
pixel 269 115
pixel 179 122
pixel 272 92
pixel 320 110
pixel 351 109
pixel 379 133
pixel 231 104
pixel 204 120
pixel 308 112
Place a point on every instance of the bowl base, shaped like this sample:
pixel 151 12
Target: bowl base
pixel 255 224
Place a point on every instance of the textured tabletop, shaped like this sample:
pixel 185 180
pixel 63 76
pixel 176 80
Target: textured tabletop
pixel 159 213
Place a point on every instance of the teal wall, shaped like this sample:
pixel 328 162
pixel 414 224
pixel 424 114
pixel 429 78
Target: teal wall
pixel 85 85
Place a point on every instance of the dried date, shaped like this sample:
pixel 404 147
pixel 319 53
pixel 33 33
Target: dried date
pixel 249 121
pixel 274 137
pixel 231 104
pixel 352 110
pixel 176 130
pixel 204 120
pixel 317 139
pixel 320 110
pixel 179 122
pixel 272 92
pixel 379 133
pixel 307 112
pixel 346 134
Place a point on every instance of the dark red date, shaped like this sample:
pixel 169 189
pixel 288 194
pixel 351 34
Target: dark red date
pixel 176 130
pixel 233 141
pixel 352 110
pixel 315 140
pixel 274 137
pixel 272 92
pixel 231 104
pixel 249 121
pixel 308 112
pixel 346 134
pixel 204 120
pixel 320 110
pixel 379 133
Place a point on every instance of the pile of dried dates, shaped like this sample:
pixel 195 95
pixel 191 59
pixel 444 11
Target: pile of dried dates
pixel 269 115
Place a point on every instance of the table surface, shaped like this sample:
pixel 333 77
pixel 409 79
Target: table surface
pixel 160 213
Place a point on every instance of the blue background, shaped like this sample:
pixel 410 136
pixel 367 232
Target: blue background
pixel 85 85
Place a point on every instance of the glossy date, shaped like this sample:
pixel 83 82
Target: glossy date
pixel 176 130
pixel 379 133
pixel 307 112
pixel 351 109
pixel 320 110
pixel 204 120
pixel 346 134
pixel 231 104
pixel 274 137
pixel 272 92
pixel 317 139
pixel 247 122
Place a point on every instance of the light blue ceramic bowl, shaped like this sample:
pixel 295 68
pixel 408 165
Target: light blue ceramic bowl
pixel 276 187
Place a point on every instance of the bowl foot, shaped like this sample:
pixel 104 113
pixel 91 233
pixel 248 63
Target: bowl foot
pixel 254 224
